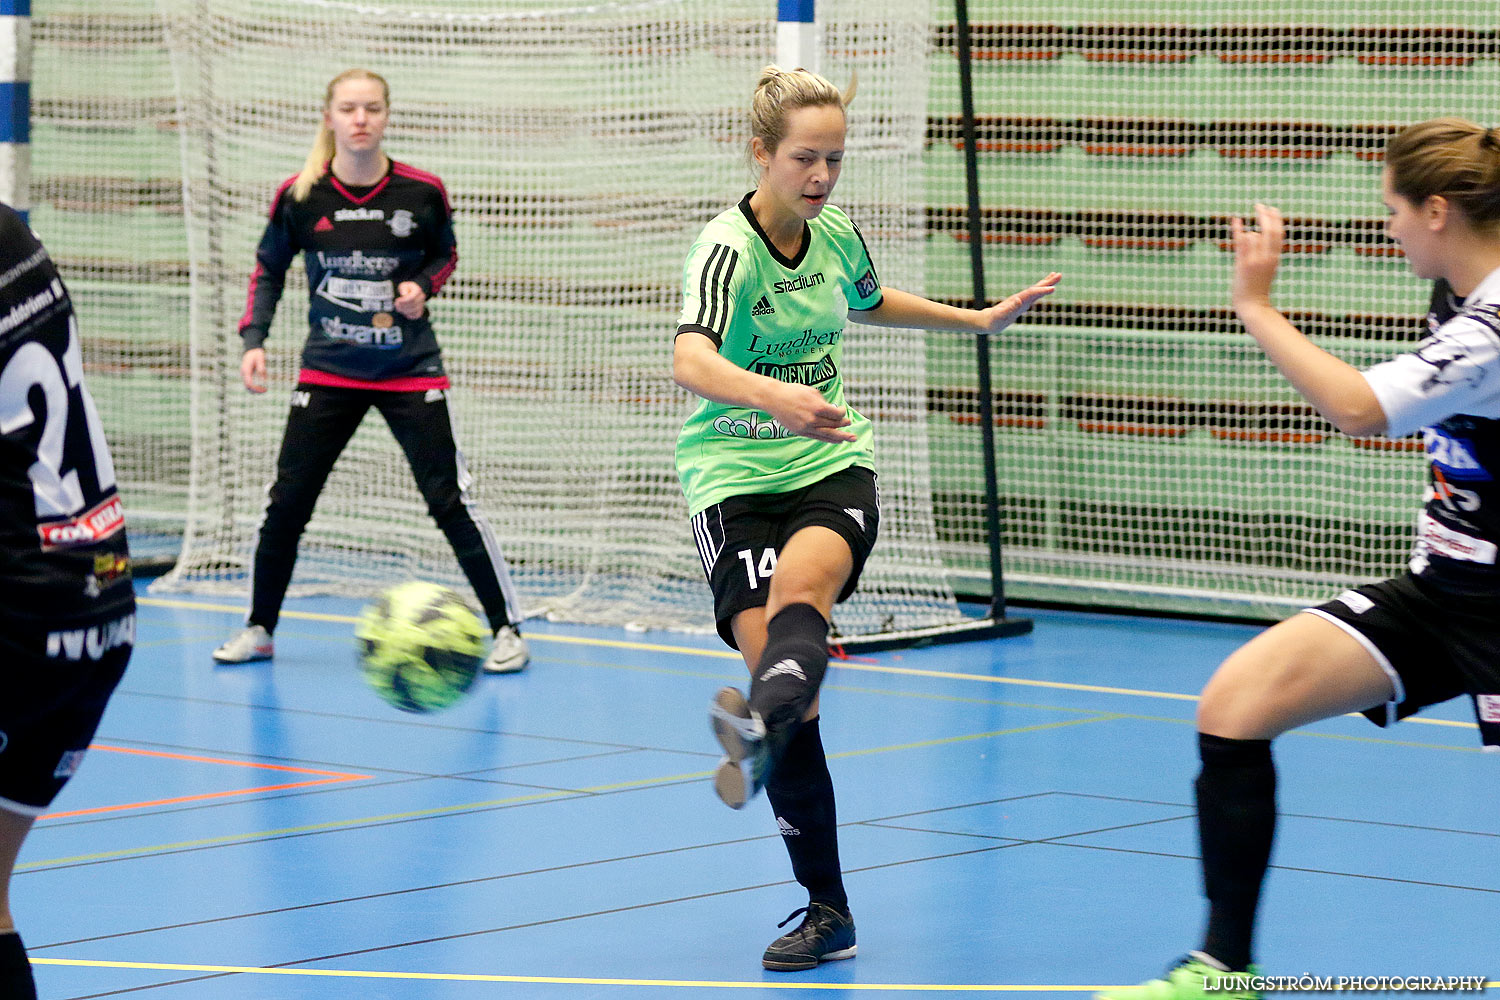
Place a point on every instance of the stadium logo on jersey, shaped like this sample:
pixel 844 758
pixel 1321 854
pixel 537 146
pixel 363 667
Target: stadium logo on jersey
pixel 402 223
pixel 358 263
pixel 801 372
pixel 91 642
pixel 87 528
pixel 359 215
pixel 365 336
pixel 323 226
pixel 763 307
pixel 751 426
pixel 800 282
pixel 1454 456
pixel 867 286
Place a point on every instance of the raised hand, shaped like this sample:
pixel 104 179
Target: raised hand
pixel 1256 254
pixel 1005 312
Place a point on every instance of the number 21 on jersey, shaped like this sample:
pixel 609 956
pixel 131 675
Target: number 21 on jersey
pixel 58 493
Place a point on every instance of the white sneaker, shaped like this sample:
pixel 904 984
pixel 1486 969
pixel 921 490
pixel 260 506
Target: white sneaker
pixel 509 654
pixel 253 643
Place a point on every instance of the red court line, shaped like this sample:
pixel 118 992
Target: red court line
pixel 221 760
pixel 326 778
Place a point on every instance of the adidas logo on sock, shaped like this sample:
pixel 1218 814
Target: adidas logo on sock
pixel 763 307
pixel 787 829
pixel 858 515
pixel 323 226
pixel 791 667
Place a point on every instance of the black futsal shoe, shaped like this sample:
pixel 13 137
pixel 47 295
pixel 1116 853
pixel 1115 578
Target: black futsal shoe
pixel 825 935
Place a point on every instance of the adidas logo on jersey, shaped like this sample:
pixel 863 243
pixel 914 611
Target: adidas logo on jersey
pixel 791 667
pixel 323 226
pixel 858 515
pixel 787 829
pixel 763 307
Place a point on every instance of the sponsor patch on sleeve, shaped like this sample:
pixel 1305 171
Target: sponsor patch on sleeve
pixel 868 285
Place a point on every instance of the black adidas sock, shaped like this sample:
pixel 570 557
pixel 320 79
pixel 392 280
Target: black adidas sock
pixel 801 793
pixel 1236 791
pixel 792 666
pixel 15 970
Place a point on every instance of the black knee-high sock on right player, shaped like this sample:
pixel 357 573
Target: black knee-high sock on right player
pixel 1236 791
pixel 791 667
pixel 801 793
pixel 15 970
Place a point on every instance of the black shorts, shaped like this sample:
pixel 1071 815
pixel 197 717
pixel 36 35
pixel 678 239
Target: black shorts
pixel 1434 646
pixel 739 538
pixel 53 703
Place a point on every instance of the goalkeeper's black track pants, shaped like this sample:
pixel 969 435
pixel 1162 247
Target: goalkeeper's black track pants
pixel 321 422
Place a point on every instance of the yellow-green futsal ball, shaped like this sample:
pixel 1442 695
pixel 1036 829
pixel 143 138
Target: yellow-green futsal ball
pixel 420 646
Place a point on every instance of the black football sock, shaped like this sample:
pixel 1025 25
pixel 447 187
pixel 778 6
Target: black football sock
pixel 1236 792
pixel 15 970
pixel 801 793
pixel 791 667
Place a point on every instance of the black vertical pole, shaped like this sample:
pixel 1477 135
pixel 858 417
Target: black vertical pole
pixel 995 625
pixel 982 341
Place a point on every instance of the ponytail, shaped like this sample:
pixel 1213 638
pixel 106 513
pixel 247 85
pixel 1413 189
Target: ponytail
pixel 315 165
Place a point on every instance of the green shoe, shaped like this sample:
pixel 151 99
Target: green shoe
pixel 1197 977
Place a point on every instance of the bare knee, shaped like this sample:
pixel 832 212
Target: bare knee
pixel 1233 707
pixel 1295 673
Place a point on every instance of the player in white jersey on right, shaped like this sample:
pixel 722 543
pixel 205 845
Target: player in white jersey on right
pixel 1392 648
pixel 779 471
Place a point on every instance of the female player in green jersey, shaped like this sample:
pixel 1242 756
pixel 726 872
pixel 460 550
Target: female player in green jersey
pixel 779 471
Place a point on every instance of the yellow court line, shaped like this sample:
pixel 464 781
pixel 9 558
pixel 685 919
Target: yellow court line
pixel 871 668
pixel 314 616
pixel 460 977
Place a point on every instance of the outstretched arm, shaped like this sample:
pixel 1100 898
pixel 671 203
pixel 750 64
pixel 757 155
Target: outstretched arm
pixel 898 308
pixel 1335 388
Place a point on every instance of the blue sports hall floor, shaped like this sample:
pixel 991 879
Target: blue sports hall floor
pixel 1015 819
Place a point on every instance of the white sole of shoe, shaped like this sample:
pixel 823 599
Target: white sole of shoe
pixel 738 733
pixel 252 658
pixel 832 956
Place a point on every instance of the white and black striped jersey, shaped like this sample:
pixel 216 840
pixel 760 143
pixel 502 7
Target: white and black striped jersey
pixel 1449 388
pixel 63 555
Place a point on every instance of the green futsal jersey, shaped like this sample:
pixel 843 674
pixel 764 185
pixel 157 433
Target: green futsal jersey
pixel 781 317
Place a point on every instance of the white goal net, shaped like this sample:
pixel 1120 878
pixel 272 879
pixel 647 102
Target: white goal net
pixel 582 149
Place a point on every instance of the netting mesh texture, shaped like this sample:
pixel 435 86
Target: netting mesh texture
pixel 583 149
pixel 1148 454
